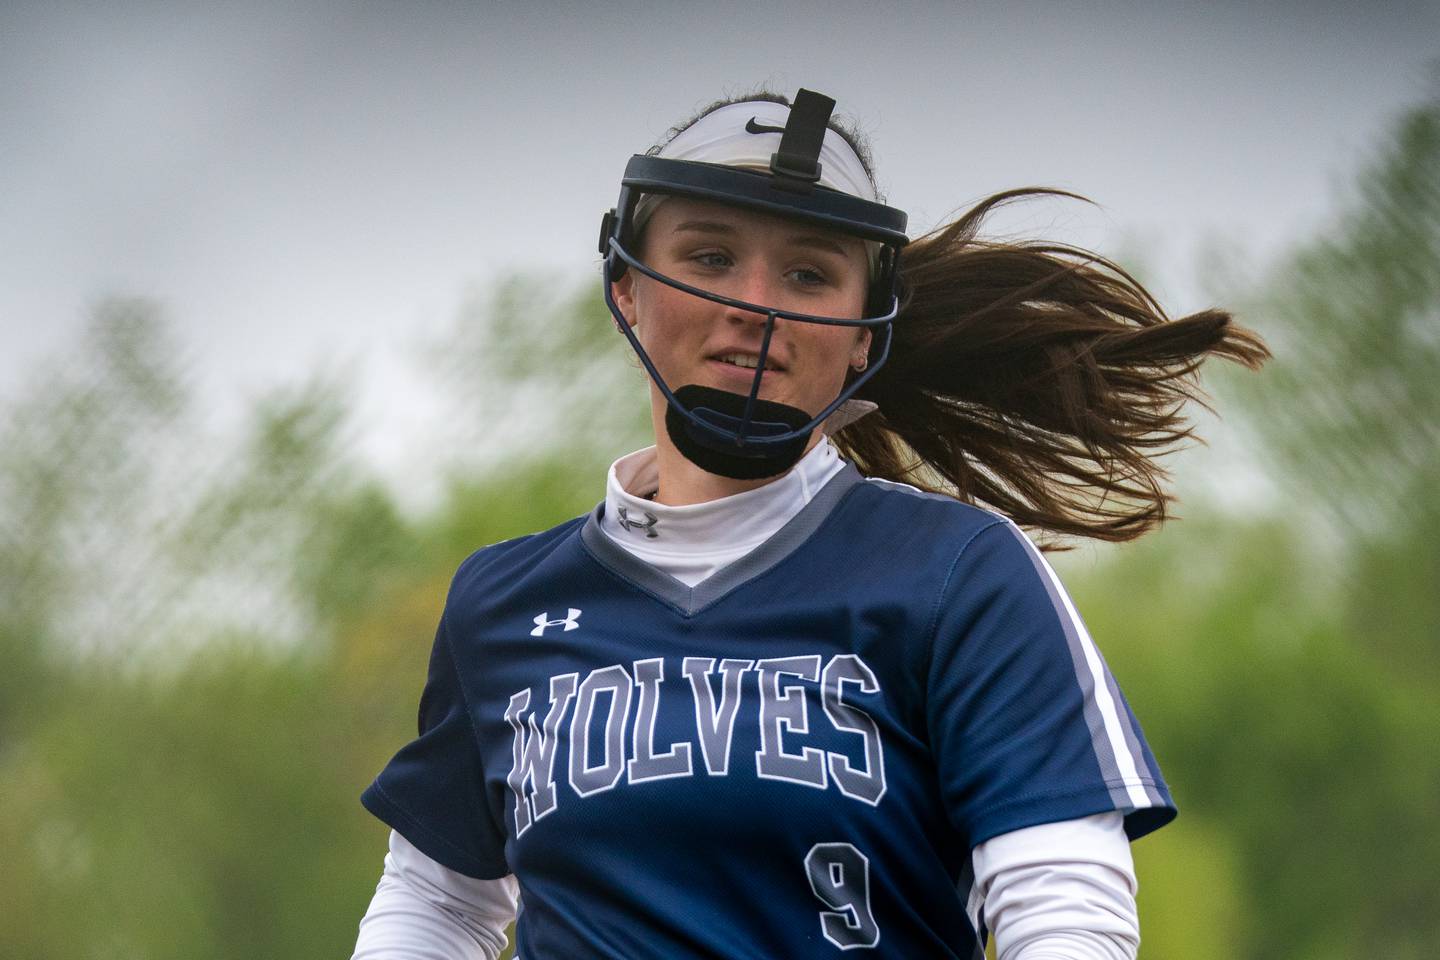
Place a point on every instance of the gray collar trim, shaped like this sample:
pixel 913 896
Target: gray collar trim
pixel 692 600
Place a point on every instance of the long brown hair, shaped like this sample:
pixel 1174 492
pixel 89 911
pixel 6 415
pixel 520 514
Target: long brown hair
pixel 1037 379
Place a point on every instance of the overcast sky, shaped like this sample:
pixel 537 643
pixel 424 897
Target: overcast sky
pixel 307 183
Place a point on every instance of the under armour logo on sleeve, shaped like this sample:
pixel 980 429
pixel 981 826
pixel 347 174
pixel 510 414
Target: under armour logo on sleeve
pixel 571 621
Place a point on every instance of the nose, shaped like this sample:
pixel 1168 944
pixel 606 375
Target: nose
pixel 754 285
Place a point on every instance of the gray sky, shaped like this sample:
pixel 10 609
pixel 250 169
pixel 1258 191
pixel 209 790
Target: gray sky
pixel 316 185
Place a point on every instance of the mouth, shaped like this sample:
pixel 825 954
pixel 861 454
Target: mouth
pixel 747 361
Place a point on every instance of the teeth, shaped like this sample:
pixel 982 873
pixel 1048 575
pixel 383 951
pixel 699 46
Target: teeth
pixel 741 360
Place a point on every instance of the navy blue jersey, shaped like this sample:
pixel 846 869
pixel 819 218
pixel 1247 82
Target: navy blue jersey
pixel 793 758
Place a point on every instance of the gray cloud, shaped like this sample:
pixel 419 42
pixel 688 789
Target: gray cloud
pixel 293 177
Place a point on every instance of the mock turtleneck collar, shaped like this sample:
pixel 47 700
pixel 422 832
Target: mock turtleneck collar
pixel 691 542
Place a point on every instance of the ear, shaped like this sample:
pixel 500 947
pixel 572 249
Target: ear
pixel 623 290
pixel 859 356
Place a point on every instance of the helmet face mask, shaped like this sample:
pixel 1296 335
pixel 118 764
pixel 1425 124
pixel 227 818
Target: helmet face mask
pixel 743 435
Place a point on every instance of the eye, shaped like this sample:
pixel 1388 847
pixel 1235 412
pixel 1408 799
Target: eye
pixel 808 277
pixel 715 259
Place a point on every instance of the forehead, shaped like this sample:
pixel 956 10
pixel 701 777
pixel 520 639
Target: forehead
pixel 689 215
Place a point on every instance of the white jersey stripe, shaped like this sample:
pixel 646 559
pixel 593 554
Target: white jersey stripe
pixel 1114 727
pixel 1133 740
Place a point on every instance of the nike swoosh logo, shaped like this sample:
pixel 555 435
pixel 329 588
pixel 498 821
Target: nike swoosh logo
pixel 752 126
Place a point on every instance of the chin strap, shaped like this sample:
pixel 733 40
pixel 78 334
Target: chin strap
pixel 846 414
pixel 716 452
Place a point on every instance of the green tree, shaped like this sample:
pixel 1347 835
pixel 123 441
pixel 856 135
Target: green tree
pixel 1289 677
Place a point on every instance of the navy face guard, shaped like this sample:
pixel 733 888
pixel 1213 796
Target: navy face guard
pixel 718 423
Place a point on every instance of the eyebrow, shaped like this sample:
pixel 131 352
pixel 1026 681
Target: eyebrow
pixel 813 241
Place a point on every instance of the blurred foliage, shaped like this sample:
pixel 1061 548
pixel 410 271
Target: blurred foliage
pixel 210 648
pixel 1288 672
pixel 535 367
pixel 1354 319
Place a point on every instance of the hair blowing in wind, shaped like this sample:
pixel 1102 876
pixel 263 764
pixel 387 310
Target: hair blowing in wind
pixel 1038 379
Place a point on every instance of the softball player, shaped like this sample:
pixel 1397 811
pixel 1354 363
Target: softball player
pixel 768 699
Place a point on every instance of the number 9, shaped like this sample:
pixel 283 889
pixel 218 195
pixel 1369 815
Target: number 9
pixel 840 877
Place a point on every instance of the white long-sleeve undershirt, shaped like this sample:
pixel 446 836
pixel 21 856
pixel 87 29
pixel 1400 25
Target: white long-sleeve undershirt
pixel 1054 891
pixel 423 910
pixel 1060 890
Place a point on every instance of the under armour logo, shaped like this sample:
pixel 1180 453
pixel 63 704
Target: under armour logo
pixel 648 526
pixel 755 126
pixel 571 621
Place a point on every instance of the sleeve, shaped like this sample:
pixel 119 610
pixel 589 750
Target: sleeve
pixel 433 791
pixel 1064 889
pixel 1027 723
pixel 423 910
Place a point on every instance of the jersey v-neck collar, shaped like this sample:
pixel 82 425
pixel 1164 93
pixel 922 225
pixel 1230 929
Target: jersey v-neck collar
pixel 694 541
pixel 692 600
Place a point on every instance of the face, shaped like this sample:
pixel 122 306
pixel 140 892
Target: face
pixel 760 259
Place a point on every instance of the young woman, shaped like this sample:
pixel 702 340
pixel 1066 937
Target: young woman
pixel 800 685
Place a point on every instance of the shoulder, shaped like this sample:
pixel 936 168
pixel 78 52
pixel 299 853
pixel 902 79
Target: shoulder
pixel 900 506
pixel 903 542
pixel 972 549
pixel 500 566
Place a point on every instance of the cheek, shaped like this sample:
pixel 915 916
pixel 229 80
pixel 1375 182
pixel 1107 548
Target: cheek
pixel 663 324
pixel 833 357
pixel 648 310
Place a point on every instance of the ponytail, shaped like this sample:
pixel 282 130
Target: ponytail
pixel 1038 380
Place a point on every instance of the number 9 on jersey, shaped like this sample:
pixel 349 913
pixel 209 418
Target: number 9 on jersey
pixel 840 877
